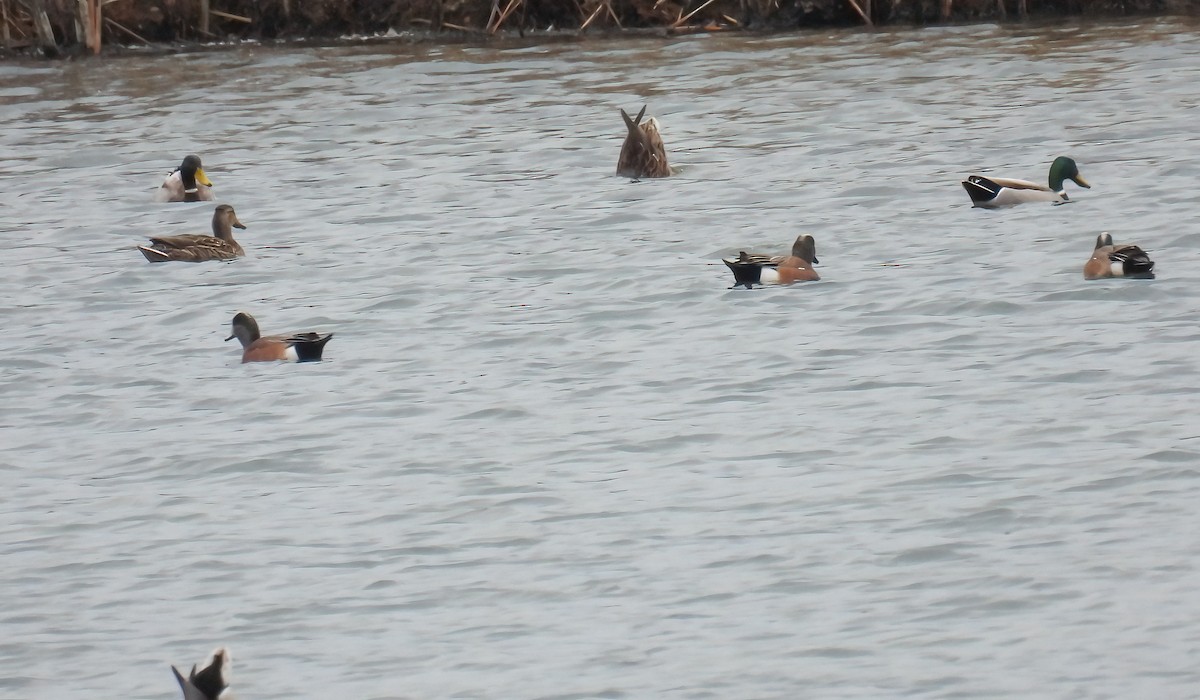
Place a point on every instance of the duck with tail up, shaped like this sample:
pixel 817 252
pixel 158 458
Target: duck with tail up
pixel 1110 260
pixel 292 347
pixel 643 153
pixel 750 269
pixel 996 192
pixel 196 247
pixel 209 683
pixel 187 183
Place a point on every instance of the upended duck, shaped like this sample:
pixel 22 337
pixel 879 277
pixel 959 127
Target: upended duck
pixel 643 153
pixel 187 183
pixel 750 269
pixel 1110 260
pixel 198 248
pixel 293 347
pixel 996 192
pixel 211 682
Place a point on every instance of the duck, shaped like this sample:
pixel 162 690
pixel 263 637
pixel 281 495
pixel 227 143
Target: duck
pixel 187 183
pixel 196 247
pixel 211 682
pixel 996 192
pixel 750 269
pixel 293 347
pixel 643 153
pixel 1110 260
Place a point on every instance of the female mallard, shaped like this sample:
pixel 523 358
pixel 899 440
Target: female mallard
pixel 187 183
pixel 211 681
pixel 750 269
pixel 995 192
pixel 643 153
pixel 198 248
pixel 1110 260
pixel 293 347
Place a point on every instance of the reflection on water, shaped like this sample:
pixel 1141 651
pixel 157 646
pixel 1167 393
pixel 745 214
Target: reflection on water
pixel 550 453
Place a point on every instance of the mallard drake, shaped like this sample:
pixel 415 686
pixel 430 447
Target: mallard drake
pixel 995 192
pixel 198 248
pixel 187 183
pixel 1110 260
pixel 643 153
pixel 210 682
pixel 750 269
pixel 294 347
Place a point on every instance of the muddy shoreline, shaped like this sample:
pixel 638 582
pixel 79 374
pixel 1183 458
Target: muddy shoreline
pixel 64 28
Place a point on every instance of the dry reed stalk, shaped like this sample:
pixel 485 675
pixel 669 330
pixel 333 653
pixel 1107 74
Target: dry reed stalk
pixel 204 7
pixel 88 25
pixel 41 24
pixel 946 6
pixel 592 17
pixel 495 27
pixel 235 18
pixel 691 14
pixel 4 18
pixel 865 17
pixel 127 30
pixel 1000 10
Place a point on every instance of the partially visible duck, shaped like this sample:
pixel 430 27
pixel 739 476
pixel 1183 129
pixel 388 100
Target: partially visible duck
pixel 643 153
pixel 1110 260
pixel 294 347
pixel 187 183
pixel 995 192
pixel 211 682
pixel 750 269
pixel 198 248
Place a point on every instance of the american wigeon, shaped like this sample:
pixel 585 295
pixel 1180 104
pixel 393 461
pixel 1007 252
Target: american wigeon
pixel 995 192
pixel 643 153
pixel 1110 260
pixel 750 269
pixel 210 682
pixel 294 347
pixel 198 248
pixel 187 183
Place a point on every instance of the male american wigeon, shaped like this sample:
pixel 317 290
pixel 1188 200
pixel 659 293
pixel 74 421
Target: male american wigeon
pixel 1110 260
pixel 187 183
pixel 750 269
pixel 211 682
pixel 196 247
pixel 996 192
pixel 293 347
pixel 643 153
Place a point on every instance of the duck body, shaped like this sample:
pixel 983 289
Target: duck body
pixel 998 192
pixel 294 347
pixel 211 682
pixel 750 269
pixel 199 248
pixel 643 153
pixel 187 183
pixel 1110 260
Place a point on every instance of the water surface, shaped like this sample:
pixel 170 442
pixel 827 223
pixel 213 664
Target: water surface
pixel 551 454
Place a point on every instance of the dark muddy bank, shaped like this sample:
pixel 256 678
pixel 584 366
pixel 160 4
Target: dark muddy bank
pixel 64 27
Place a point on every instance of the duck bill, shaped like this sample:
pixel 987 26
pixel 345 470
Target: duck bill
pixel 238 224
pixel 231 337
pixel 202 178
pixel 1081 182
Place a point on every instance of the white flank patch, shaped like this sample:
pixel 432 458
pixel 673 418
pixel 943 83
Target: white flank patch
pixel 769 275
pixel 291 354
pixel 1118 268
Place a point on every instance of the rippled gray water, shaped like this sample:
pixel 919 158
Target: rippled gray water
pixel 550 453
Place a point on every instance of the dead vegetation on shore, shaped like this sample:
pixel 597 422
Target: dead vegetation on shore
pixel 55 26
